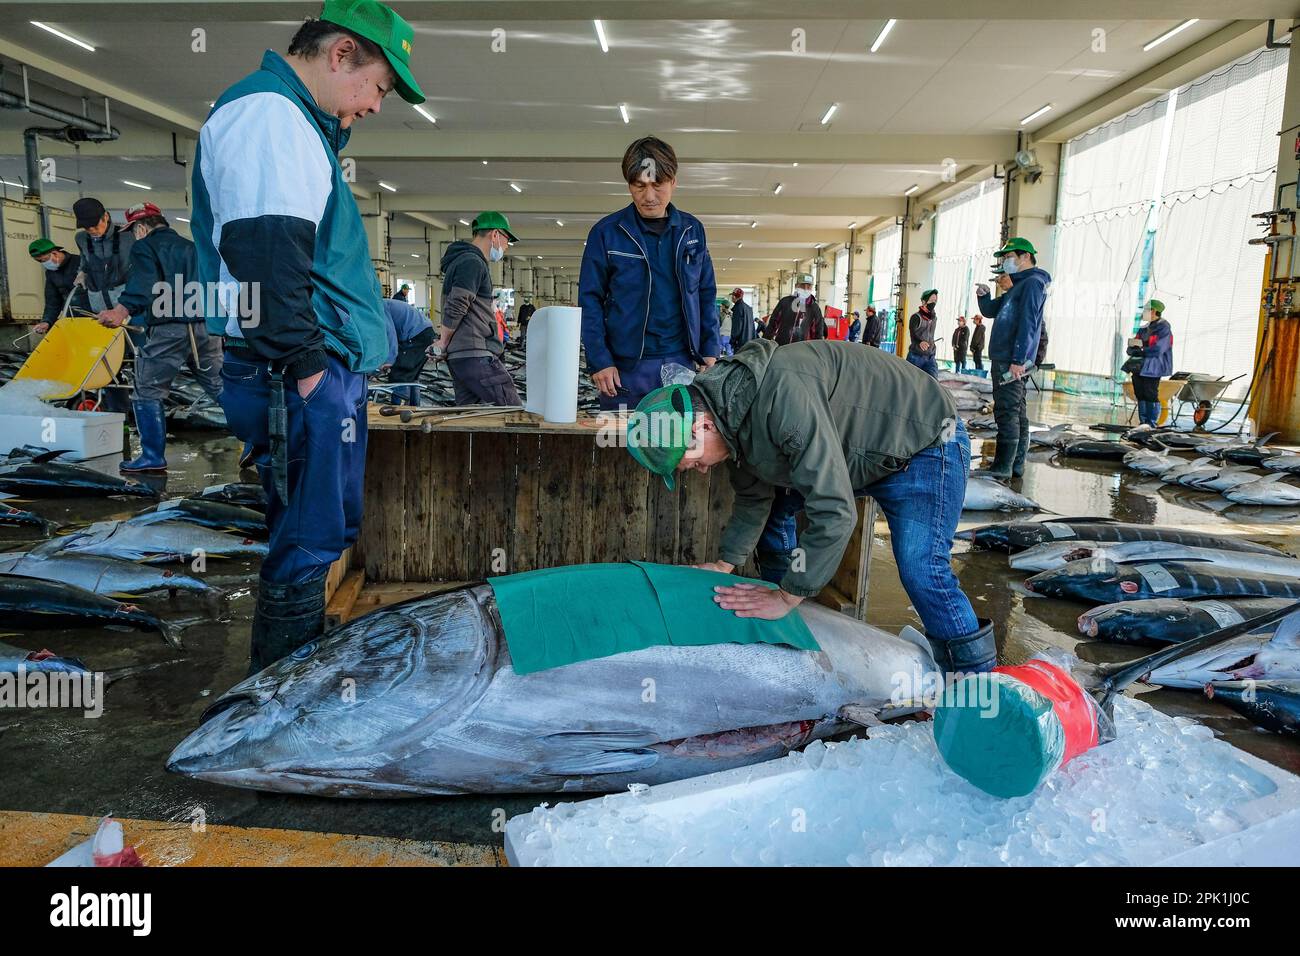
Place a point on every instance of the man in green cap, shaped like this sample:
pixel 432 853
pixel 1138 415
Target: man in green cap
pixel 1152 348
pixel 61 268
pixel 469 319
pixel 1013 343
pixel 282 249
pixel 920 329
pixel 825 422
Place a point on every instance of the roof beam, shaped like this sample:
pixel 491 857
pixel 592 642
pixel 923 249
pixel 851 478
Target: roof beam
pixel 847 207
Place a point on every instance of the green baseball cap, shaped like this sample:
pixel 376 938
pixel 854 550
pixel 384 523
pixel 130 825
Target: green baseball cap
pixel 927 293
pixel 380 25
pixel 40 247
pixel 659 431
pixel 1017 244
pixel 1156 306
pixel 493 220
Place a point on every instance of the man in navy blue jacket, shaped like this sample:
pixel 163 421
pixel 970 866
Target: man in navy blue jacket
pixel 1013 343
pixel 647 288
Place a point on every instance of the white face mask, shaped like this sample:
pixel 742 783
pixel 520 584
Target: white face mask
pixel 803 295
pixel 1010 266
pixel 50 264
pixel 496 253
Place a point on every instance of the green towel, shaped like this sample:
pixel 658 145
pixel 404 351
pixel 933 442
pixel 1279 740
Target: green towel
pixel 560 616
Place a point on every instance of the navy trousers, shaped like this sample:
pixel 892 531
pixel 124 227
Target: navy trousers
pixel 326 461
pixel 639 379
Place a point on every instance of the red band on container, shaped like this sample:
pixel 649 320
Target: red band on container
pixel 1073 707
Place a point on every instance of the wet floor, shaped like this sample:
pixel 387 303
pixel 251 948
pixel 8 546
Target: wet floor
pixel 59 761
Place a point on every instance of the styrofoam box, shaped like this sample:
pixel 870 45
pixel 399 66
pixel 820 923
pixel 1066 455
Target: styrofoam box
pixel 83 434
pixel 1270 839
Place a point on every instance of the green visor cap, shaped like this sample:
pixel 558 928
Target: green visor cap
pixel 927 293
pixel 659 431
pixel 40 247
pixel 493 220
pixel 1017 244
pixel 382 26
pixel 1156 306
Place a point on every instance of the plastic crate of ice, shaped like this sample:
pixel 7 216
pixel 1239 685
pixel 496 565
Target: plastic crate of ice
pixel 83 434
pixel 889 800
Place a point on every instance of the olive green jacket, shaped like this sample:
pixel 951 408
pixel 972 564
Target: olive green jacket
pixel 825 418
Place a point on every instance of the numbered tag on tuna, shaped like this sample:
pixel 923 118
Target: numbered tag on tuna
pixel 1224 615
pixel 1058 530
pixel 1157 578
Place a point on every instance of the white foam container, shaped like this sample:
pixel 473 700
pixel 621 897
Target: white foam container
pixel 1270 839
pixel 83 434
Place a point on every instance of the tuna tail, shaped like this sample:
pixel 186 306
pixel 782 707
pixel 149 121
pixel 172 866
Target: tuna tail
pixel 1106 680
pixel 171 634
pixel 1261 442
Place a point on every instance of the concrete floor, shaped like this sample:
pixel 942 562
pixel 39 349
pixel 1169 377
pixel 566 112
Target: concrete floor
pixel 59 762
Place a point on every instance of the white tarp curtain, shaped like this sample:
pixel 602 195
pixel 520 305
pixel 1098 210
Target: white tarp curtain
pixel 968 230
pixel 1108 180
pixel 1221 169
pixel 885 253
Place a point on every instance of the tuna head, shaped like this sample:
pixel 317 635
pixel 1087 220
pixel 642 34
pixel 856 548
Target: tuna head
pixel 336 714
pixel 1075 578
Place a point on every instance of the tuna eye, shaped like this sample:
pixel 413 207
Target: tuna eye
pixel 304 652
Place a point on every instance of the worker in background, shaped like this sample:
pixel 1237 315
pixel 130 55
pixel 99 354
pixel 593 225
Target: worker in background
pixel 105 249
pixel 1018 315
pixel 920 330
pixel 797 317
pixel 960 342
pixel 743 330
pixel 855 328
pixel 403 294
pixel 410 334
pixel 61 269
pixel 785 417
pixel 977 341
pixel 875 328
pixel 1153 346
pixel 156 299
pixel 647 288
pixel 525 314
pixel 274 212
pixel 472 336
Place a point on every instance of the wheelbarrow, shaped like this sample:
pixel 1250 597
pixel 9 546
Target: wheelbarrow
pixel 76 355
pixel 1203 392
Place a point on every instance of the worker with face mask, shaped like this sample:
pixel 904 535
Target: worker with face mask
pixel 797 317
pixel 921 330
pixel 61 273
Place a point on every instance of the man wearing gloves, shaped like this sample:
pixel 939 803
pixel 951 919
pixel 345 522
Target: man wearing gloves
pixel 1018 315
pixel 830 422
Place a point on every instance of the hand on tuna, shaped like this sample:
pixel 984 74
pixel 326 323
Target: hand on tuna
pixel 756 600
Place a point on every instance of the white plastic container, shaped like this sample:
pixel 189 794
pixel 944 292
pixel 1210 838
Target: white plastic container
pixel 83 434
pixel 554 335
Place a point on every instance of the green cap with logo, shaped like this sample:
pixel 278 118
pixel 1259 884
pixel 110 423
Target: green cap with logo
pixel 1156 306
pixel 659 431
pixel 40 247
pixel 382 26
pixel 1016 244
pixel 493 220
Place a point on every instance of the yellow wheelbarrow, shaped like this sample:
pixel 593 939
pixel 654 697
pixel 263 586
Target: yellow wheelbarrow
pixel 76 355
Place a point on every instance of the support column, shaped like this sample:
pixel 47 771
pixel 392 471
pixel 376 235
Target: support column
pixel 916 273
pixel 1031 206
pixel 376 222
pixel 859 275
pixel 1275 405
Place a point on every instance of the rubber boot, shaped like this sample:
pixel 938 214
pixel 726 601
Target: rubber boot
pixel 971 654
pixel 287 617
pixel 152 425
pixel 1003 458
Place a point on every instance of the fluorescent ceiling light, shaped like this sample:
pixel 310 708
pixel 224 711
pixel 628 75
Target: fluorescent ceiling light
pixel 462 222
pixel 136 185
pixel 415 255
pixel 622 108
pixel 81 43
pixel 740 245
pixel 826 117
pixel 776 190
pixel 384 185
pixel 425 113
pixel 1165 36
pixel 541 257
pixel 600 35
pixel 853 225
pixel 560 223
pixel 181 219
pixel 911 189
pixel 754 224
pixel 515 187
pixel 884 32
pixel 1035 114
pixel 485 162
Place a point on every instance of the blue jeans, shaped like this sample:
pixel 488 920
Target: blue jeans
pixel 922 505
pixel 327 460
pixel 639 379
pixel 925 362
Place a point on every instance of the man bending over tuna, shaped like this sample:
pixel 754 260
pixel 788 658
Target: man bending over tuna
pixel 830 422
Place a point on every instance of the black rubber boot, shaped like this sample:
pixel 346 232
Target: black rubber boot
pixel 967 655
pixel 287 617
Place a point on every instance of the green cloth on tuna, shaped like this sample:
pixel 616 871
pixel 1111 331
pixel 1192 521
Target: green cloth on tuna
pixel 559 616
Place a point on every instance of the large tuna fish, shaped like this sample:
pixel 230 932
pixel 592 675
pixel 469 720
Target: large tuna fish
pixel 1099 581
pixel 989 494
pixel 52 479
pixel 1273 704
pixel 151 540
pixel 30 604
pixel 1170 620
pixel 1019 535
pixel 1056 554
pixel 432 705
pixel 1271 490
pixel 108 577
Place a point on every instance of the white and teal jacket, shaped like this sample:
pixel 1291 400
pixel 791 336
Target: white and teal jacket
pixel 272 207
